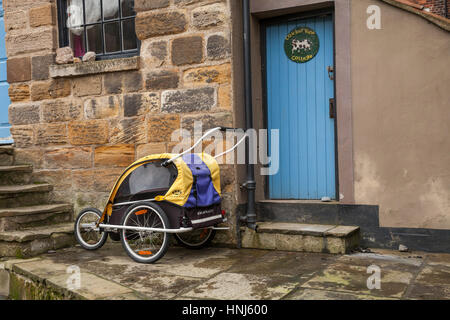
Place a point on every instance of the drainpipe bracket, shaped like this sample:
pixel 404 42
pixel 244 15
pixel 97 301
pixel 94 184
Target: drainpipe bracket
pixel 248 185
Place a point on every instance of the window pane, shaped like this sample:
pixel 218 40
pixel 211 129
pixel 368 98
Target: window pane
pixel 128 8
pixel 74 13
pixel 112 37
pixel 76 42
pixel 94 37
pixel 110 9
pixel 93 12
pixel 129 35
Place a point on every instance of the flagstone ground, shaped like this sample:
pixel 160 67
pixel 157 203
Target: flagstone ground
pixel 224 273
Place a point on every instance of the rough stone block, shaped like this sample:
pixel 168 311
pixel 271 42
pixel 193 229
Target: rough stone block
pixel 102 107
pixel 51 89
pixel 114 156
pixel 4 283
pixel 24 114
pixel 113 83
pixel 95 180
pixel 23 136
pixel 40 65
pixel 187 50
pixel 165 79
pixel 144 5
pixel 224 97
pixel 209 16
pixel 87 86
pixel 143 150
pixel 64 55
pixel 190 100
pixel 18 69
pixel 161 127
pixel 29 156
pixel 183 3
pixel 10 5
pixel 134 104
pixel 68 158
pixel 42 16
pixel 151 24
pixel 34 40
pixel 154 102
pixel 16 20
pixel 51 134
pixel 19 92
pixel 89 56
pixel 59 179
pixel 88 132
pixel 127 131
pixel 208 121
pixel 61 110
pixel 158 50
pixel 218 47
pixel 206 75
pixel 132 81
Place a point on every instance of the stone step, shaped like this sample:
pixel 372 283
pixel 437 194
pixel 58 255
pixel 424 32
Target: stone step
pixel 18 174
pixel 32 216
pixel 301 237
pixel 6 155
pixel 35 241
pixel 24 195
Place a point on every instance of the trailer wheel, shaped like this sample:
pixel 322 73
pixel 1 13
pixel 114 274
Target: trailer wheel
pixel 196 239
pixel 85 233
pixel 145 246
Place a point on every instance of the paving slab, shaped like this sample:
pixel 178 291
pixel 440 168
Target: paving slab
pixel 311 294
pixel 224 273
pixel 91 287
pixel 235 286
pixel 346 276
pixel 430 283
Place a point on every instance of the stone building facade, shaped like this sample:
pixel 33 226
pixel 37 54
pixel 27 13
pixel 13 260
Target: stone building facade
pixel 79 125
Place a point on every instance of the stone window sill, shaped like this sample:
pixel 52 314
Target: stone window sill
pixel 93 67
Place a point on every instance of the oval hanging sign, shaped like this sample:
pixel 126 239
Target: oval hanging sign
pixel 301 44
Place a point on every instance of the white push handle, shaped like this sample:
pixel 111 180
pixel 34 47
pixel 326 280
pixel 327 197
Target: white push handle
pixel 167 162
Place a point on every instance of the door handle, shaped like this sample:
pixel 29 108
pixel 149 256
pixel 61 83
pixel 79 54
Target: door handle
pixel 332 109
pixel 330 70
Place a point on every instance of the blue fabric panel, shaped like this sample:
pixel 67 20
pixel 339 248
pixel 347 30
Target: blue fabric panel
pixel 203 193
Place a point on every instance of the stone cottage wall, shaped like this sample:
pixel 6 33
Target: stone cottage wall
pixel 80 131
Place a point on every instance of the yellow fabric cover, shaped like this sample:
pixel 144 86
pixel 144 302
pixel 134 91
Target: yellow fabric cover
pixel 213 166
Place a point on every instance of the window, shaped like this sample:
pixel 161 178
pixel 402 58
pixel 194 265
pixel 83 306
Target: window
pixel 103 26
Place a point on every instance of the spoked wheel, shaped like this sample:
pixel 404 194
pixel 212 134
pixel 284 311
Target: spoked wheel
pixel 86 233
pixel 141 245
pixel 196 239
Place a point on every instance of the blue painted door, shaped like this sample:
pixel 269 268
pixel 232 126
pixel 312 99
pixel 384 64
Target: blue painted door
pixel 5 136
pixel 298 105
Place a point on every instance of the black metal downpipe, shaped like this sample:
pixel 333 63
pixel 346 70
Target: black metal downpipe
pixel 446 8
pixel 250 184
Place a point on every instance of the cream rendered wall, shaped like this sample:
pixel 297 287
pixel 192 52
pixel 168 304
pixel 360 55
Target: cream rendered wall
pixel 401 118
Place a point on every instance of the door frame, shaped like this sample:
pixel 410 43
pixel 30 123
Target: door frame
pixel 263 29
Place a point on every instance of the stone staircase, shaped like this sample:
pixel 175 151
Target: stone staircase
pixel 29 223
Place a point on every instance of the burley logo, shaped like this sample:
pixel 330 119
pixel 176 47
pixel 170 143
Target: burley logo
pixel 301 44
